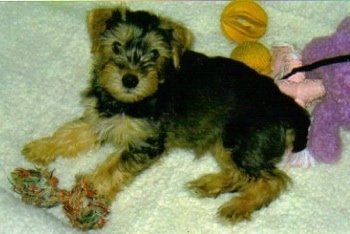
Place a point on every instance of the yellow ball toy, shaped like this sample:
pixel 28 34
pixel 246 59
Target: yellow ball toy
pixel 254 55
pixel 243 20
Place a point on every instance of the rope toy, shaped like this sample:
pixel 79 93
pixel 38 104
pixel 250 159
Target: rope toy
pixel 82 205
pixel 84 208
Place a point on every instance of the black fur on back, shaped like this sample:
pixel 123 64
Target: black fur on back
pixel 249 109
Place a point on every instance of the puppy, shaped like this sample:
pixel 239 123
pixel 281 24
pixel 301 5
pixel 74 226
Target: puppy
pixel 149 93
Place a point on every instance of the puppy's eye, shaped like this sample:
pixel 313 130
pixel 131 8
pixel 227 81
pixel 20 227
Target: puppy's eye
pixel 154 54
pixel 116 46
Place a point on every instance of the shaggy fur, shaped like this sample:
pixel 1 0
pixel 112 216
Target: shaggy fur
pixel 149 93
pixel 332 113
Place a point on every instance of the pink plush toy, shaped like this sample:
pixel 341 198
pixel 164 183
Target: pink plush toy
pixel 333 112
pixel 284 60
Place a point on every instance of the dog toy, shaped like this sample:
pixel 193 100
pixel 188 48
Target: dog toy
pixel 255 55
pixel 333 112
pixel 243 20
pixel 84 208
pixel 304 91
pixel 284 59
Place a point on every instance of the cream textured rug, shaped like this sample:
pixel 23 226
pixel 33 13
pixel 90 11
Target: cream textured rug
pixel 45 63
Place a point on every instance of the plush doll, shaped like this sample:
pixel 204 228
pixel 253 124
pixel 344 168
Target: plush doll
pixel 333 112
pixel 284 59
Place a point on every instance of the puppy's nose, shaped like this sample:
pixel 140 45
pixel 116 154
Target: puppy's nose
pixel 130 81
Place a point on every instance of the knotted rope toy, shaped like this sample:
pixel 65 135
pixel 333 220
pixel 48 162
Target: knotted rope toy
pixel 82 205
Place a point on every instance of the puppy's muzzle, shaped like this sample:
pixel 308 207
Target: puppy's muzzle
pixel 130 81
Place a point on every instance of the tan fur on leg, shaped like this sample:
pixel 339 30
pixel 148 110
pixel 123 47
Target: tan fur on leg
pixel 255 194
pixel 227 180
pixel 108 178
pixel 68 141
pixel 117 170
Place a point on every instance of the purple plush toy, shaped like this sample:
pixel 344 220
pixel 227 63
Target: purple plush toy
pixel 333 112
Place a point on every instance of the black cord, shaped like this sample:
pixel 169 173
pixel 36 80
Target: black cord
pixel 317 64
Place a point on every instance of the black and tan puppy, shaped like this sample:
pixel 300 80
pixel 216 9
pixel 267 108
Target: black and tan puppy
pixel 149 93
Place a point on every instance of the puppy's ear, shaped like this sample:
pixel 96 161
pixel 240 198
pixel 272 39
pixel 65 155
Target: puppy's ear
pixel 101 19
pixel 181 40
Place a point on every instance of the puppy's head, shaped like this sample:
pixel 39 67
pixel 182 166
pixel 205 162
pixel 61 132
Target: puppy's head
pixel 131 50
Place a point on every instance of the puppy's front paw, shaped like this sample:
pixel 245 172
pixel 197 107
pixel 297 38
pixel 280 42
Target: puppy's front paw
pixel 41 151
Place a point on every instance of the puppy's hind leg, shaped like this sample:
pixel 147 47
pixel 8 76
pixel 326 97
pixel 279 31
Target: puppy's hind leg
pixel 68 141
pixel 227 180
pixel 255 194
pixel 255 188
pixel 256 151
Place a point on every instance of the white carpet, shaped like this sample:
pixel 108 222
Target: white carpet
pixel 45 63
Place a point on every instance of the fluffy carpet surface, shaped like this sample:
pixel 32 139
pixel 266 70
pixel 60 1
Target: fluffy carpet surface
pixel 45 63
